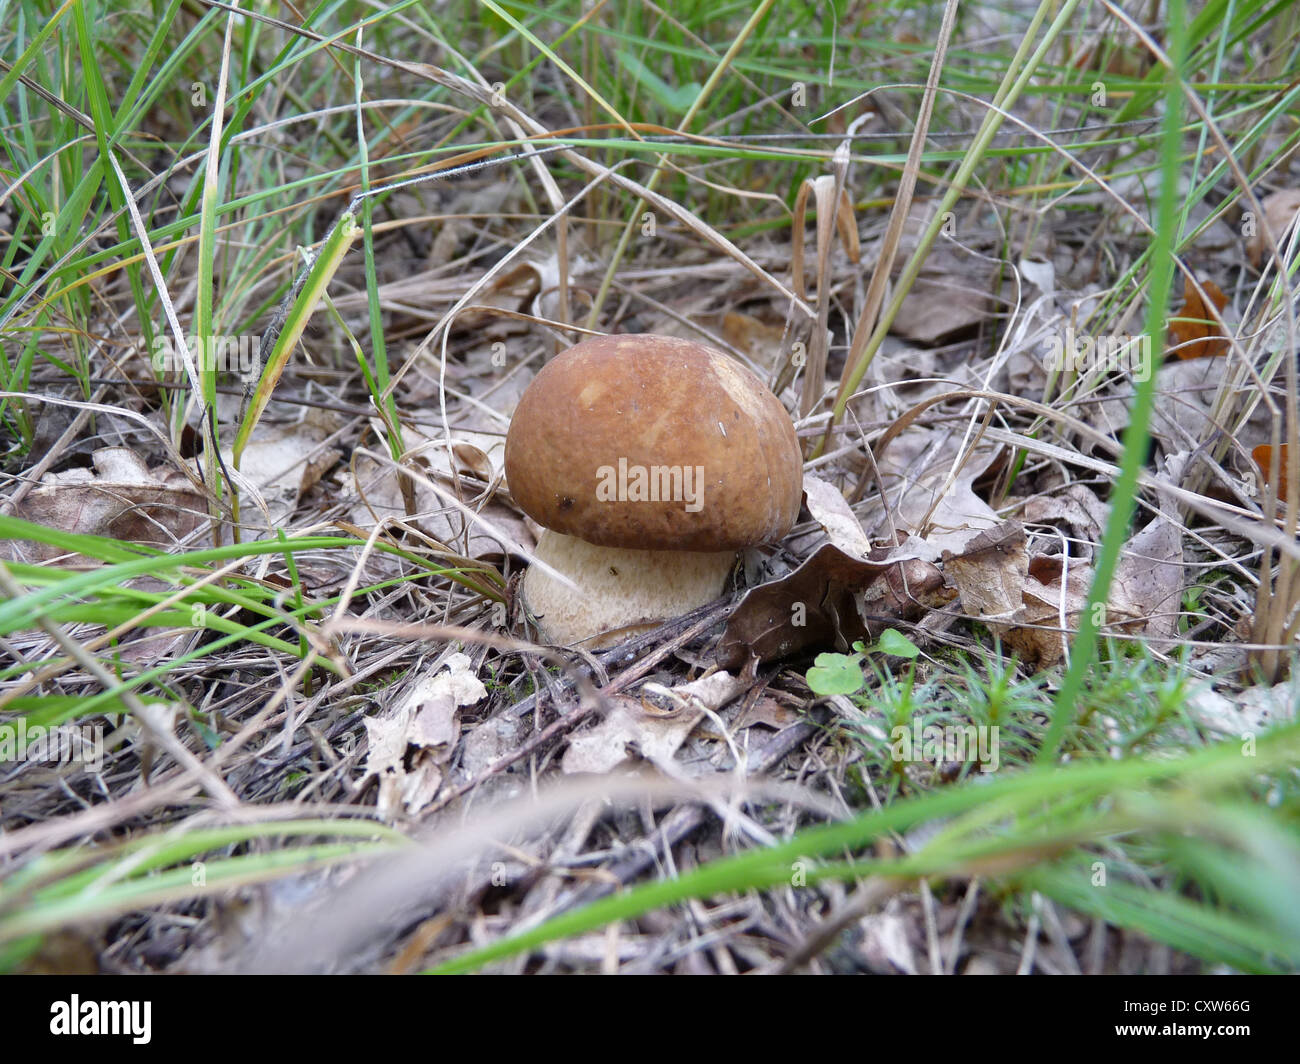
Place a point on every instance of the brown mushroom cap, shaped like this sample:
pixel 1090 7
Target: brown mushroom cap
pixel 644 415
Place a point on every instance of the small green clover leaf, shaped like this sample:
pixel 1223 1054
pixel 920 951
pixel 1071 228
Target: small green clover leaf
pixel 836 674
pixel 896 643
pixel 841 674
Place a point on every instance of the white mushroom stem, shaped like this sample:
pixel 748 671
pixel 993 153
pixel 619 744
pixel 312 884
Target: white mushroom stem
pixel 620 592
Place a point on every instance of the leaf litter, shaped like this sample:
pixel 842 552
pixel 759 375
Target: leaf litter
pixel 948 546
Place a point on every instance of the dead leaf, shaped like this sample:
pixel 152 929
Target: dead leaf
pixel 885 940
pixel 944 511
pixel 1184 402
pixel 1148 582
pixel 493 314
pixel 1040 274
pixel 768 712
pixel 1249 712
pixel 829 602
pixel 951 294
pixel 832 511
pixel 472 460
pixel 1184 405
pixel 1053 594
pixel 1263 456
pixel 1145 595
pixel 408 746
pixel 939 307
pixel 1193 333
pixel 1076 510
pixel 1028 600
pixel 283 462
pixel 835 596
pixel 990 573
pixel 653 727
pixel 121 498
pixel 756 338
pixel 488 742
pixel 476 460
pixel 1280 209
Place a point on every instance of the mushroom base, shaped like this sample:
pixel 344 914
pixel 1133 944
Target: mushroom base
pixel 620 592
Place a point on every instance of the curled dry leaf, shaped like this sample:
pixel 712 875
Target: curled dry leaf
pixel 1040 274
pixel 829 602
pixel 408 746
pixel 1027 600
pixel 768 712
pixel 1248 712
pixel 941 511
pixel 951 293
pixel 990 573
pixel 475 462
pixel 1014 595
pixel 1054 596
pixel 832 511
pixel 1194 333
pixel 1263 458
pixel 886 943
pixel 653 725
pixel 1076 509
pixel 846 590
pixel 1280 209
pixel 121 498
pixel 283 462
pixel 1149 580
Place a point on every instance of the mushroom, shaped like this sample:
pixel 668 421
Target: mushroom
pixel 650 461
